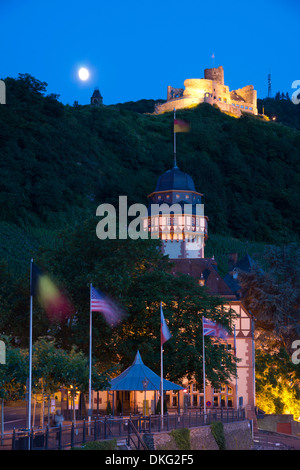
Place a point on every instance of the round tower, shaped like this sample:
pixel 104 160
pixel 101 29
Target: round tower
pixel 176 215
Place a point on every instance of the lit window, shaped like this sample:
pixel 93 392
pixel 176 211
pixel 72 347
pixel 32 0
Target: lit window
pixel 171 220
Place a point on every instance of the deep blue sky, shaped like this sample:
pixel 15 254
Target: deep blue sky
pixel 136 48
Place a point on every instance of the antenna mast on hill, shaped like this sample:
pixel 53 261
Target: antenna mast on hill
pixel 269 85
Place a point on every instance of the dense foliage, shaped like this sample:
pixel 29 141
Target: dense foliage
pixel 58 160
pixel 138 277
pixel 273 297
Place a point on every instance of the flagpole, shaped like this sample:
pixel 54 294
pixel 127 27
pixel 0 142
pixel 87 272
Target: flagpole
pixel 203 354
pixel 161 371
pixel 236 380
pixel 30 356
pixel 175 160
pixel 161 388
pixel 90 358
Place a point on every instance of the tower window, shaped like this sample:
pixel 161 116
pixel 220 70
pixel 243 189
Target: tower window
pixel 172 221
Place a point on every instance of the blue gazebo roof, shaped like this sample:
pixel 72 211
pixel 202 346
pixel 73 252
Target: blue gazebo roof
pixel 133 377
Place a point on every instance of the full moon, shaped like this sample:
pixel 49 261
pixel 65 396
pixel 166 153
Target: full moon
pixel 83 73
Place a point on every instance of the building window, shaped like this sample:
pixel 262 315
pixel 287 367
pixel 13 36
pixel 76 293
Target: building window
pixel 177 196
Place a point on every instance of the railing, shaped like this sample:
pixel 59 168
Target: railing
pixel 132 428
pixel 131 441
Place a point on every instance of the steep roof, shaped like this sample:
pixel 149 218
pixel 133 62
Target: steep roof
pixel 133 377
pixel 208 267
pixel 246 264
pixel 175 179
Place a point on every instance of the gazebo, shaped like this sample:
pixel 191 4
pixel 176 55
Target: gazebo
pixel 138 378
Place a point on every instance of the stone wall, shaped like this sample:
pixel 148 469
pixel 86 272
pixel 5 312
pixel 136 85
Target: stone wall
pixel 215 74
pixel 238 436
pixel 212 90
pixel 270 423
pixel 248 93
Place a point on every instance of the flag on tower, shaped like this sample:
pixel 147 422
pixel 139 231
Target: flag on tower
pixel 101 303
pixel 211 328
pixel 165 333
pixel 181 126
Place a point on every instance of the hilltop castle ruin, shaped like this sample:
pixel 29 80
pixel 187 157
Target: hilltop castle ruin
pixel 210 89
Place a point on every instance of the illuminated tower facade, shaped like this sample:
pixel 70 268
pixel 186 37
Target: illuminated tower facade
pixel 176 215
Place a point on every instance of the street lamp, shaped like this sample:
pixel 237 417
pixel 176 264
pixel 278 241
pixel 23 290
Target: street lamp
pixel 145 385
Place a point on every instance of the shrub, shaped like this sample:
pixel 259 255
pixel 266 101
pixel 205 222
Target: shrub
pixel 217 430
pixel 182 438
pixel 98 445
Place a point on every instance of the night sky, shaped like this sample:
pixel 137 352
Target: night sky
pixel 134 49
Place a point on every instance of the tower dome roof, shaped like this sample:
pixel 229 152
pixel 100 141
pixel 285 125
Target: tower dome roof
pixel 175 179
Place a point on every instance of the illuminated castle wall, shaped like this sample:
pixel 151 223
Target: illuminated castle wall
pixel 210 89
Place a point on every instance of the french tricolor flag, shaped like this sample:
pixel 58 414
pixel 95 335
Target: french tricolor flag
pixel 165 333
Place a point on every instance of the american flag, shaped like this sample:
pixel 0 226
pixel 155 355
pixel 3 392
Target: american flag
pixel 100 303
pixel 211 328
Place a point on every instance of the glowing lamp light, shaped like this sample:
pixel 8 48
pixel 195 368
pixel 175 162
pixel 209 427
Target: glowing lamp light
pixel 201 280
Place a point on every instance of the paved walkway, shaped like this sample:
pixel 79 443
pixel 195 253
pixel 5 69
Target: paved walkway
pixel 273 440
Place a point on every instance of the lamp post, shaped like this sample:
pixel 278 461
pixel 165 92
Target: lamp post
pixel 145 385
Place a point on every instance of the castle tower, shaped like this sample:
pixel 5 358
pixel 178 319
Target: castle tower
pixel 96 99
pixel 215 74
pixel 176 215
